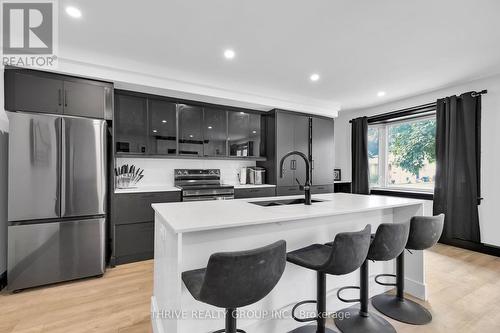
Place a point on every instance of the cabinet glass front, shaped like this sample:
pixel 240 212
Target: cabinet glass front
pixel 244 134
pixel 190 130
pixel 162 127
pixel 215 132
pixel 131 124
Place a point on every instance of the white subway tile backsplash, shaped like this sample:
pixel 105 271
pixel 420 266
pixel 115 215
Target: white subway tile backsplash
pixel 160 171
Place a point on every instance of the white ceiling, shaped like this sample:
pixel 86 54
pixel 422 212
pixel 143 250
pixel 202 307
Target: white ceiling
pixel 358 47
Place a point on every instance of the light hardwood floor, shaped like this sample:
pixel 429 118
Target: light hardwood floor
pixel 464 289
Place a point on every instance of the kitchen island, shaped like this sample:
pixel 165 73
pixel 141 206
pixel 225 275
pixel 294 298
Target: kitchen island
pixel 186 234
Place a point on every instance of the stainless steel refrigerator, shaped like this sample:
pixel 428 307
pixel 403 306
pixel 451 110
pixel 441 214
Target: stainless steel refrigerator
pixel 57 204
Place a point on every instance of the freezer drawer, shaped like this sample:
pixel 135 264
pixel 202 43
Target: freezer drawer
pixel 44 253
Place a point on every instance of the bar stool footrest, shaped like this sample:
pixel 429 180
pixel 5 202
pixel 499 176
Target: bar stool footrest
pixel 224 331
pixel 377 277
pixel 348 300
pixel 303 320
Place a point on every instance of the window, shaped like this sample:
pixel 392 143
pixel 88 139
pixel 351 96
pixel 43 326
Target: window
pixel 402 154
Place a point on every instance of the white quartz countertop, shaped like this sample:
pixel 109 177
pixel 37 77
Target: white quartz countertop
pixel 211 215
pixel 243 186
pixel 145 189
pixel 167 188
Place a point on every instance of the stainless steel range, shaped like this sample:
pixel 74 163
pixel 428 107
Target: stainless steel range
pixel 202 184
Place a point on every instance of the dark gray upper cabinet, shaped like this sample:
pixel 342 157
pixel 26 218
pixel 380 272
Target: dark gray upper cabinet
pixel 85 98
pixel 244 134
pixel 131 124
pixel 156 125
pixel 322 151
pixel 162 132
pixel 215 132
pixel 301 143
pixel 313 136
pixel 284 144
pixel 36 91
pixel 190 130
pixel 33 92
pixel 292 135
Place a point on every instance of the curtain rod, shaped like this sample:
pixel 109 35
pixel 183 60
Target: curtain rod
pixel 413 110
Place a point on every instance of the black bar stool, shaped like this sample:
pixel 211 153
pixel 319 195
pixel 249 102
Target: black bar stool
pixel 425 232
pixel 387 243
pixel 236 279
pixel 347 253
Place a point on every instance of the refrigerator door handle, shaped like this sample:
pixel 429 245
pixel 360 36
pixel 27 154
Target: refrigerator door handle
pixel 59 167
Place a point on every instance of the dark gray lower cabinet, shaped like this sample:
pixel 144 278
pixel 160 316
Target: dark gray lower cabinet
pixel 295 190
pixel 343 187
pixel 258 192
pixel 133 223
pixel 134 242
pixel 319 189
pixel 288 190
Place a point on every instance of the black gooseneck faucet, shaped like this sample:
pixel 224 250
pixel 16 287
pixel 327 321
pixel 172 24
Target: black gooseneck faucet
pixel 307 185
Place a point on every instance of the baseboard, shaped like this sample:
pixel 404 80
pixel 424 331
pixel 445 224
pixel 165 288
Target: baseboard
pixel 416 289
pixel 155 321
pixel 3 280
pixel 476 247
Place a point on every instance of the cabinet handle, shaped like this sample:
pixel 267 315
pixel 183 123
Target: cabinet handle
pixel 59 97
pixel 312 164
pixel 65 98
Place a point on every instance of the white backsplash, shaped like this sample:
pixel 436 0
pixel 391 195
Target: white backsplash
pixel 160 171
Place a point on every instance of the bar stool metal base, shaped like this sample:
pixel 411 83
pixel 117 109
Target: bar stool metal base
pixel 310 329
pixel 403 310
pixel 353 322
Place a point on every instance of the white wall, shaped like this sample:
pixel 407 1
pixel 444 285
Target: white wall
pixel 4 133
pixel 160 172
pixel 490 136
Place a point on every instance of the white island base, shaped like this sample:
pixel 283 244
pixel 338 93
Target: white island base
pixel 186 234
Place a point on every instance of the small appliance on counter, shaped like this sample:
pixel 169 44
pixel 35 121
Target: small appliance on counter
pixel 128 176
pixel 243 175
pixel 202 184
pixel 256 175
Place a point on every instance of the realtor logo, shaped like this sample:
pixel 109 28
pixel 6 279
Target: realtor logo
pixel 28 32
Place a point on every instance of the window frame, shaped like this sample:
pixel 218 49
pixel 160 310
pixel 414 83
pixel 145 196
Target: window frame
pixel 382 187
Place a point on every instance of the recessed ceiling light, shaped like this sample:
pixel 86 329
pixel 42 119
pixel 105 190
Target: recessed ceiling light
pixel 191 135
pixel 381 94
pixel 254 132
pixel 73 12
pixel 314 77
pixel 154 131
pixel 242 112
pixel 209 127
pixel 164 121
pixel 229 54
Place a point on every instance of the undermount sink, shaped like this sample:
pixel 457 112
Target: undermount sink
pixel 283 202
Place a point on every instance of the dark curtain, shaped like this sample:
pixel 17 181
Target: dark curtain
pixel 457 189
pixel 359 146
